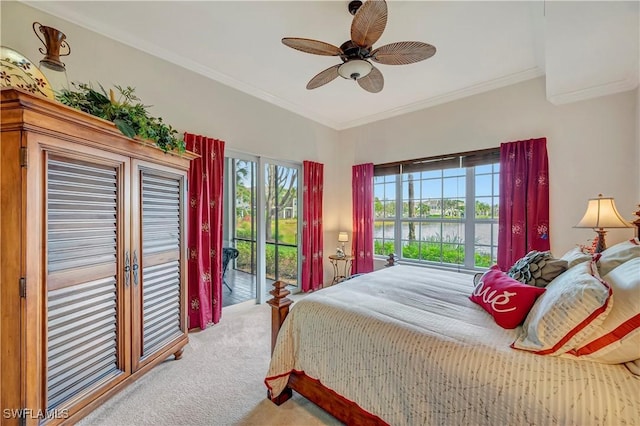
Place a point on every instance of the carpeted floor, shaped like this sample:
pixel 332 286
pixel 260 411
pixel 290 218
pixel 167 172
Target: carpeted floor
pixel 218 381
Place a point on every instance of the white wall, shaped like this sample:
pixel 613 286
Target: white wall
pixel 637 156
pixel 638 137
pixel 592 146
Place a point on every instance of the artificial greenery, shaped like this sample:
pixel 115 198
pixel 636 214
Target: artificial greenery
pixel 127 112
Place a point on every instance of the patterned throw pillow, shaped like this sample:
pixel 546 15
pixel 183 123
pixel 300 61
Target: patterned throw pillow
pixel 570 310
pixel 507 300
pixel 537 268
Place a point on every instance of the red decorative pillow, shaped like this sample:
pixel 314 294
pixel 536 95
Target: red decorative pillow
pixel 507 300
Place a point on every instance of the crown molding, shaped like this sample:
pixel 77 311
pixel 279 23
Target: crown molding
pixel 475 89
pixel 596 91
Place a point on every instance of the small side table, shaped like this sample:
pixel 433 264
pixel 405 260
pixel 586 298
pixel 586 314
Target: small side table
pixel 340 272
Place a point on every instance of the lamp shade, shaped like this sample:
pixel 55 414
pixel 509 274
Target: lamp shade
pixel 355 69
pixel 602 213
pixel 343 237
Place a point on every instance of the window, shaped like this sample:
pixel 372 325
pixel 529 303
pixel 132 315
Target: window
pixel 439 211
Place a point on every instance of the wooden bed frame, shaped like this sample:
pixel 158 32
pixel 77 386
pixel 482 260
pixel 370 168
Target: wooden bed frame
pixel 341 408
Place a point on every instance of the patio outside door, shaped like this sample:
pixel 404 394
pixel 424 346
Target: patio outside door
pixel 240 230
pixel 261 221
pixel 281 223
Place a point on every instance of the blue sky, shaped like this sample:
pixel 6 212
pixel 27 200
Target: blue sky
pixel 451 183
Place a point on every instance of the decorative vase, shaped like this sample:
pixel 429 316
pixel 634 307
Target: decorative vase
pixel 53 41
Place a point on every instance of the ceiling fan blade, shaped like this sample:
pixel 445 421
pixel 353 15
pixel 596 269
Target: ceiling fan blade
pixel 323 77
pixel 373 82
pixel 403 52
pixel 312 46
pixel 369 23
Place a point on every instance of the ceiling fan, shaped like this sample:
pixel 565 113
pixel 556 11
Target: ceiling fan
pixel 369 21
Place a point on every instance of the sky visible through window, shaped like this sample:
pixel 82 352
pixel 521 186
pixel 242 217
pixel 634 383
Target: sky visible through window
pixel 436 184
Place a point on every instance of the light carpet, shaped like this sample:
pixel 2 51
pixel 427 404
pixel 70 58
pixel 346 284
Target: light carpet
pixel 218 381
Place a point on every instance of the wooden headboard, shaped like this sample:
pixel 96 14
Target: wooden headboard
pixel 637 222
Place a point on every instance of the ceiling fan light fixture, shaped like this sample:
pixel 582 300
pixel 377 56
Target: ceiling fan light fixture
pixel 355 69
pixel 367 26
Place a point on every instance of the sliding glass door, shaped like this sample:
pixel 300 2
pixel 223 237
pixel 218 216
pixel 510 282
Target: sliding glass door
pixel 261 222
pixel 240 231
pixel 281 223
pixel 244 217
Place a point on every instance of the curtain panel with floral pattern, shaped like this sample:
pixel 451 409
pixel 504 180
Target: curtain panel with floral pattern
pixel 204 232
pixel 523 223
pixel 312 230
pixel 362 195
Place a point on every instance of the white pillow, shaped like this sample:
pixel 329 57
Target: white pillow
pixel 618 254
pixel 575 256
pixel 617 339
pixel 566 314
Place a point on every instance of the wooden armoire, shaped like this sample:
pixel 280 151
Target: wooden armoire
pixel 92 257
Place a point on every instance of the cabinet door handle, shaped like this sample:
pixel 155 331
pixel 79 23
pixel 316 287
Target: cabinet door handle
pixel 127 269
pixel 135 267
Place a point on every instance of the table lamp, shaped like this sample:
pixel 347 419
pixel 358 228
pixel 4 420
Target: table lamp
pixel 343 237
pixel 602 213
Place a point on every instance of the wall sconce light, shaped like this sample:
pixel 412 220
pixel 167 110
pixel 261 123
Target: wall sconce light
pixel 602 213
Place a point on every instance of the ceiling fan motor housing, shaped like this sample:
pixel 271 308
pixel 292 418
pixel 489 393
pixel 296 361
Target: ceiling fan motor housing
pixel 354 6
pixel 353 51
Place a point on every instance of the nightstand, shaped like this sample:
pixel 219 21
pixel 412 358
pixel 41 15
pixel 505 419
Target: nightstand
pixel 341 267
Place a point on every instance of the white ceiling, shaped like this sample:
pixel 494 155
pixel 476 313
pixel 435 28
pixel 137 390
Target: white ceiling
pixel 586 49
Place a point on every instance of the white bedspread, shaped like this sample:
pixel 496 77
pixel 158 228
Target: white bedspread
pixel 408 345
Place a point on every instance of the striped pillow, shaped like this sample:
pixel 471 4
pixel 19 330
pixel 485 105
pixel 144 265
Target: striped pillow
pixel 575 303
pixel 575 256
pixel 618 254
pixel 617 339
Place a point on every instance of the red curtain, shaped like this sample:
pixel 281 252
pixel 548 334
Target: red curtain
pixel 524 200
pixel 204 230
pixel 362 187
pixel 312 233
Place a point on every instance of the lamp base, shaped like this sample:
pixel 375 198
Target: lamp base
pixel 602 246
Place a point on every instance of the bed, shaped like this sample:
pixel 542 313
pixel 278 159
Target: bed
pixel 406 346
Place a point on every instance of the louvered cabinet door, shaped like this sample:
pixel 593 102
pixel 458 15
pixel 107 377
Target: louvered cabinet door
pixel 160 284
pixel 86 349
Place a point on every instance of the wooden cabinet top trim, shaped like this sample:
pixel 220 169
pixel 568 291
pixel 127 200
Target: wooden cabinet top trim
pixel 21 110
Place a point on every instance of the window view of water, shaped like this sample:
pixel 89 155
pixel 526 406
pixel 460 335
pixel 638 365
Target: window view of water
pixel 437 241
pixel 448 231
